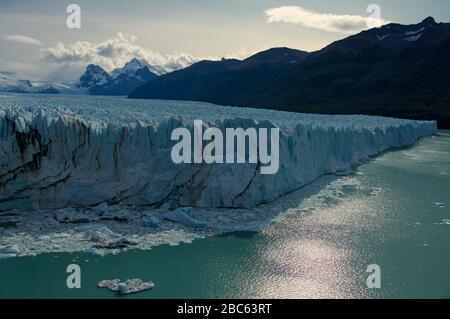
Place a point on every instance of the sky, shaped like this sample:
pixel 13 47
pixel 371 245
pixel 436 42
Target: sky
pixel 35 40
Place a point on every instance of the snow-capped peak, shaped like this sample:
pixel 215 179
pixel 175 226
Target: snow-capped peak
pixel 131 67
pixel 397 36
pixel 94 75
pixel 135 64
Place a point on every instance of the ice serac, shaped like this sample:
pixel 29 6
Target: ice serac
pixel 54 156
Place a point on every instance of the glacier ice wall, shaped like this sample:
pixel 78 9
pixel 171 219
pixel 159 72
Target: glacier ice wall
pixel 54 156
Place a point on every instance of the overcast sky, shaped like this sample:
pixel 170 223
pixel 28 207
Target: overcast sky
pixel 35 41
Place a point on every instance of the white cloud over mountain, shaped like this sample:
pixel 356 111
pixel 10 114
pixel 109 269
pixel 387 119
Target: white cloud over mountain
pixel 114 53
pixel 322 21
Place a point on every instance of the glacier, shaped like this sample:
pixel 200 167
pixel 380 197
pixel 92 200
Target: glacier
pixel 80 152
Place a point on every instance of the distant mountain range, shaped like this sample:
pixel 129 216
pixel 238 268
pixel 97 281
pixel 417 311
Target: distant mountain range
pixel 395 70
pixel 95 80
pixel 121 81
pixel 12 83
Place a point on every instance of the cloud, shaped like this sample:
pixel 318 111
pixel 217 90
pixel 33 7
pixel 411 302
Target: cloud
pixel 114 53
pixel 21 39
pixel 322 21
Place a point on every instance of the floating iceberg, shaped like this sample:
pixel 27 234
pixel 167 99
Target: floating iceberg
pixel 65 152
pixel 130 286
pixel 440 205
pixel 96 252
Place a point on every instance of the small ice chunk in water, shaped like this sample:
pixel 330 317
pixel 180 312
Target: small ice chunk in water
pixel 134 285
pixel 128 287
pixel 112 285
pixel 96 252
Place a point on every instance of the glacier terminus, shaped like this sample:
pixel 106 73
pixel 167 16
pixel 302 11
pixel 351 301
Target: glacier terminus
pixel 59 152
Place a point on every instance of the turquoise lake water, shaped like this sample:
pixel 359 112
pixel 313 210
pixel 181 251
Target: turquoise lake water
pixel 388 215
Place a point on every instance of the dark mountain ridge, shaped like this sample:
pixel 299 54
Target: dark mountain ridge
pixel 222 81
pixel 395 70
